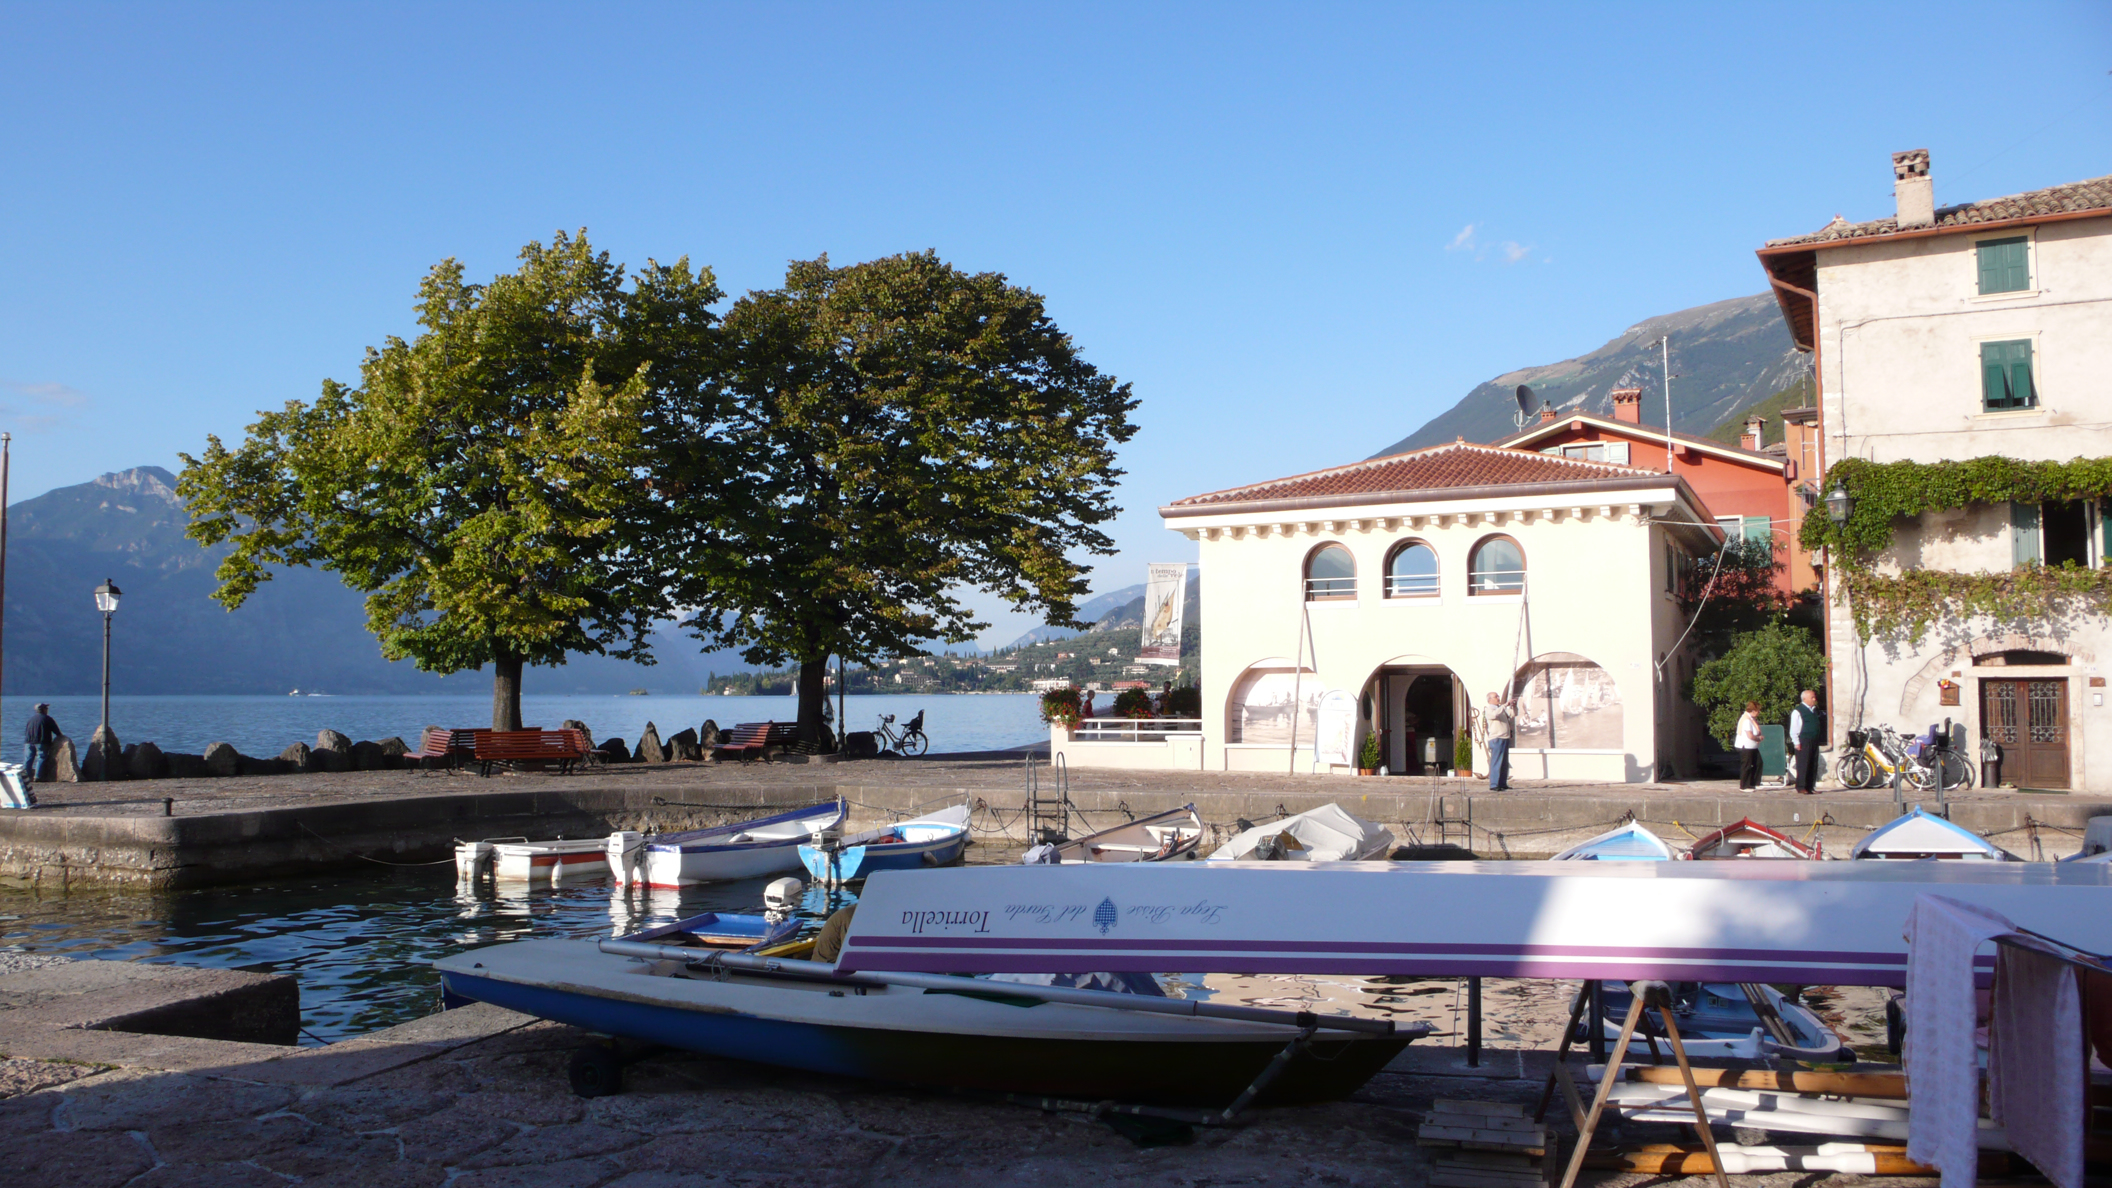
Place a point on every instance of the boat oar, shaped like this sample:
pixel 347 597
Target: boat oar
pixel 1096 998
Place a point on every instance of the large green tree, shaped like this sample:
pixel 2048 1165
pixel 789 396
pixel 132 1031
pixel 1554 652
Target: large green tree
pixel 487 484
pixel 1772 666
pixel 906 430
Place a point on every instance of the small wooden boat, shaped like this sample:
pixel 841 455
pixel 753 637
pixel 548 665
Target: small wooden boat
pixel 742 850
pixel 1325 834
pixel 934 1030
pixel 1750 839
pixel 1924 835
pixel 1174 833
pixel 548 864
pixel 938 839
pixel 1721 1020
pixel 725 931
pixel 1623 843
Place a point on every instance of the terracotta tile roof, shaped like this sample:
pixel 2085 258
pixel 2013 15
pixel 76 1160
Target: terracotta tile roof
pixel 2093 194
pixel 1436 468
pixel 1647 433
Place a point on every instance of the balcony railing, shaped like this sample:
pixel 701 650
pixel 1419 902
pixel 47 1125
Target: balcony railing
pixel 1133 729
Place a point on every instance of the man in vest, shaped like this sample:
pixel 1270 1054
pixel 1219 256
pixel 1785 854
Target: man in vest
pixel 1807 732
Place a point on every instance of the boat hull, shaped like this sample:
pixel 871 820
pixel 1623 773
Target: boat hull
pixel 743 850
pixel 856 862
pixel 716 864
pixel 1195 1072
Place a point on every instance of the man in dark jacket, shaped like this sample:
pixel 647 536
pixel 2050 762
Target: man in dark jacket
pixel 37 741
pixel 1807 732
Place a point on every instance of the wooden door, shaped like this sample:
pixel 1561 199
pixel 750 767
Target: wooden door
pixel 2029 719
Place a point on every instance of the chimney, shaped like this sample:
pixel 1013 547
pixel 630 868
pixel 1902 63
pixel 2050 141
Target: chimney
pixel 1912 189
pixel 1547 411
pixel 1628 405
pixel 1754 437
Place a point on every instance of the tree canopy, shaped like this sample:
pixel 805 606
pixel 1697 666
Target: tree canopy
pixel 1772 666
pixel 904 430
pixel 486 483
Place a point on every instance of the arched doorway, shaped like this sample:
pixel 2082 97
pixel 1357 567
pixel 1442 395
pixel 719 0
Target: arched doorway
pixel 1414 703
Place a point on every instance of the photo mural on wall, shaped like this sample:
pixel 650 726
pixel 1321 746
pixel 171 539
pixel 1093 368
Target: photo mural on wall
pixel 1260 710
pixel 1567 702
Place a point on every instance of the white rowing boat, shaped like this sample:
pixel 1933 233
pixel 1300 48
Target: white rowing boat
pixel 538 864
pixel 742 850
pixel 1325 834
pixel 1923 835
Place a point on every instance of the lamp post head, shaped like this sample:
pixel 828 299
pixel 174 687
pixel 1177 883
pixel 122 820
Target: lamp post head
pixel 1839 503
pixel 106 596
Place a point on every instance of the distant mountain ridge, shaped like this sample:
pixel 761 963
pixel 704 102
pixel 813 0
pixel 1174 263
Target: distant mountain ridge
pixel 1725 356
pixel 1090 611
pixel 302 630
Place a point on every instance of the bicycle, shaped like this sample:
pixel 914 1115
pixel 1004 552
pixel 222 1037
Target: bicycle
pixel 909 740
pixel 1881 755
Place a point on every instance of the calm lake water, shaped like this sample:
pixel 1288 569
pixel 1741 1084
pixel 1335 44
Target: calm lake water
pixel 264 726
pixel 362 945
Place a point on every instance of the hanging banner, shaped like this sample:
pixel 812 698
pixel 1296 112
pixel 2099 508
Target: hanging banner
pixel 1337 726
pixel 1165 595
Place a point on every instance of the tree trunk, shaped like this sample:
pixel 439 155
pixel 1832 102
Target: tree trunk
pixel 813 695
pixel 505 690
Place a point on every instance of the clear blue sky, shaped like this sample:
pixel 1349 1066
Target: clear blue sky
pixel 1257 215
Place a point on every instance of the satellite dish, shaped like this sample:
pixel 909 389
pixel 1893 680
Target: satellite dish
pixel 1525 399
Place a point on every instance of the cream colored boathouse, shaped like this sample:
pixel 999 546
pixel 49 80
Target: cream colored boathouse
pixel 1390 595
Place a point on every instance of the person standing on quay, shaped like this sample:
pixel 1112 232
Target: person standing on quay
pixel 1748 744
pixel 37 738
pixel 1502 722
pixel 1807 730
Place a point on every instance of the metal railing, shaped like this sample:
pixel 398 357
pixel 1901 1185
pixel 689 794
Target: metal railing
pixel 1133 729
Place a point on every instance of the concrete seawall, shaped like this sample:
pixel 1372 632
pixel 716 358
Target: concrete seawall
pixel 77 848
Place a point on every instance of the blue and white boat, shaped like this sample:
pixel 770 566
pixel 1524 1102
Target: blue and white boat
pixel 1624 843
pixel 938 839
pixel 1925 835
pixel 742 850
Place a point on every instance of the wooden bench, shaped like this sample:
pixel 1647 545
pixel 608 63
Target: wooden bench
pixel 753 740
pixel 446 747
pixel 562 747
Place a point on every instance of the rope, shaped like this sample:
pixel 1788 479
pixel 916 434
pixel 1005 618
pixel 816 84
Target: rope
pixel 362 857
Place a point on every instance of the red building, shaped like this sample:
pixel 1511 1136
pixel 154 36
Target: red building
pixel 1754 491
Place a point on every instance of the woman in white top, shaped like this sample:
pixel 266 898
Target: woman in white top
pixel 1748 744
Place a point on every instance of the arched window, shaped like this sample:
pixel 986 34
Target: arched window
pixel 1330 573
pixel 1497 566
pixel 1412 571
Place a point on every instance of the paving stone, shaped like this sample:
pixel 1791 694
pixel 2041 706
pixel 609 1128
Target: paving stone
pixel 358 1110
pixel 74 1159
pixel 546 1144
pixel 208 1175
pixel 451 1136
pixel 132 1099
pixel 572 1173
pixel 27 1076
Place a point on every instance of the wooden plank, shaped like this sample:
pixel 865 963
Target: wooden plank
pixel 1465 1134
pixel 1892 1085
pixel 1491 1109
pixel 1518 1124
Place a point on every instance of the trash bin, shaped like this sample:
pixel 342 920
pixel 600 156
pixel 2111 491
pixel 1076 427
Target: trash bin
pixel 1990 763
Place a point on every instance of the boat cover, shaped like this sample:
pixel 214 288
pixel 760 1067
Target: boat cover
pixel 1924 835
pixel 1626 843
pixel 1325 834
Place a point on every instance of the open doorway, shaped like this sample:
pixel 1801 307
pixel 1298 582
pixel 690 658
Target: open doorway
pixel 1420 714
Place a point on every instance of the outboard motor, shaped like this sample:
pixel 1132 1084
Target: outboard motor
pixel 781 898
pixel 472 860
pixel 626 852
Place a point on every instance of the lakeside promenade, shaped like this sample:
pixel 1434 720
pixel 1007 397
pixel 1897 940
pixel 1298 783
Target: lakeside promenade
pixel 199 832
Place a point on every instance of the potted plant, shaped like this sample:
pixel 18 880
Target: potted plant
pixel 1463 754
pixel 1133 703
pixel 1059 707
pixel 1368 757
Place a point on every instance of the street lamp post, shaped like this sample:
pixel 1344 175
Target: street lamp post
pixel 106 596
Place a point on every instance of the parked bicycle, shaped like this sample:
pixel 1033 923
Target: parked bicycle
pixel 1881 755
pixel 909 740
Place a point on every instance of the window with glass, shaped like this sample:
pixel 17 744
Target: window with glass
pixel 1412 571
pixel 2005 265
pixel 2005 375
pixel 1330 573
pixel 1497 566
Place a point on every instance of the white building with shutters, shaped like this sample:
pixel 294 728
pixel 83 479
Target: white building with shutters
pixel 1956 333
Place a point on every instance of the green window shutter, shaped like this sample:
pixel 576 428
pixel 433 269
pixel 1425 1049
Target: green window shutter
pixel 2104 528
pixel 2024 533
pixel 2005 265
pixel 2021 390
pixel 2005 375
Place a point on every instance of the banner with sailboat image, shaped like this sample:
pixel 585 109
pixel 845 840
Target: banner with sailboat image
pixel 1165 595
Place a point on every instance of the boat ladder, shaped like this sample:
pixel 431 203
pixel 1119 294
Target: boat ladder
pixel 1049 817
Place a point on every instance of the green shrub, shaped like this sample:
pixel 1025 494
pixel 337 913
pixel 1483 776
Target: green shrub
pixel 1368 758
pixel 1463 751
pixel 1771 666
pixel 1184 702
pixel 1133 703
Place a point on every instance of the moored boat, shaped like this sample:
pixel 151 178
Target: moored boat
pixel 1722 1020
pixel 937 839
pixel 1925 835
pixel 1750 839
pixel 1174 833
pixel 742 850
pixel 1325 834
pixel 1623 843
pixel 549 863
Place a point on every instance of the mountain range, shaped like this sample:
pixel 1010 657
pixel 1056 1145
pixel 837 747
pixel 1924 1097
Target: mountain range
pixel 1725 356
pixel 302 630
